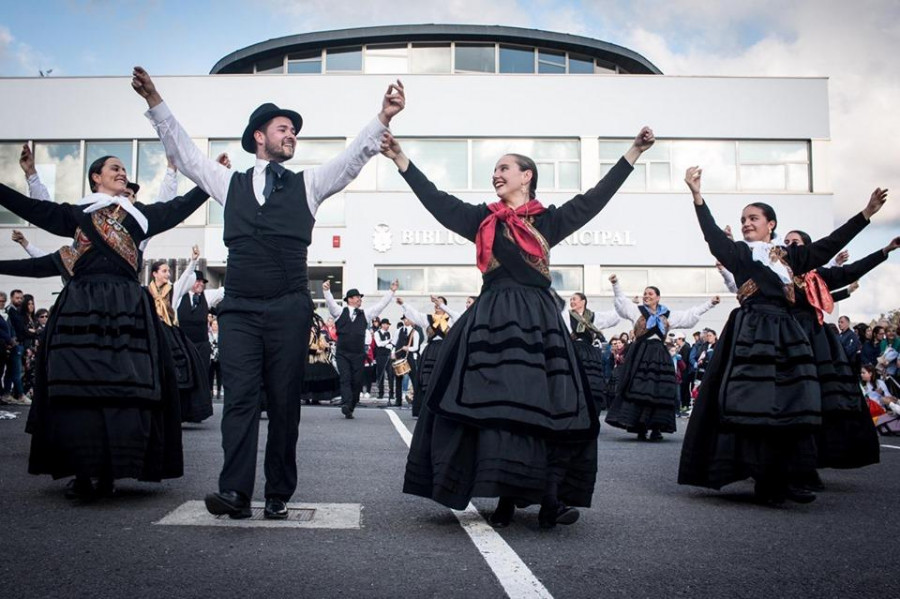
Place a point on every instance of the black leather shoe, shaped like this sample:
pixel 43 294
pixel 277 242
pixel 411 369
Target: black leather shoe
pixel 80 489
pixel 503 514
pixel 562 515
pixel 230 503
pixel 276 509
pixel 656 436
pixel 347 412
pixel 799 495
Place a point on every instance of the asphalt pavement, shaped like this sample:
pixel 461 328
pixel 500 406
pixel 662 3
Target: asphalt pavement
pixel 645 536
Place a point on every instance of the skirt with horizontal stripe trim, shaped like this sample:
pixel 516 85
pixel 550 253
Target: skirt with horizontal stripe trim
pixel 648 391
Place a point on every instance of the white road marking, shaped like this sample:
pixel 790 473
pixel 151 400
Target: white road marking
pixel 891 446
pixel 514 576
pixel 327 515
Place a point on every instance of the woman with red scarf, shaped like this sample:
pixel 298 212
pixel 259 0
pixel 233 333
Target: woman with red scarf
pixel 508 413
pixel 847 438
pixel 760 403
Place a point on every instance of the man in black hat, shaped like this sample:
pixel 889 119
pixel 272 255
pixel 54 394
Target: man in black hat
pixel 193 308
pixel 352 322
pixel 269 214
pixel 384 346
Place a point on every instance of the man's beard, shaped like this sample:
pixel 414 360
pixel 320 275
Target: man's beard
pixel 278 153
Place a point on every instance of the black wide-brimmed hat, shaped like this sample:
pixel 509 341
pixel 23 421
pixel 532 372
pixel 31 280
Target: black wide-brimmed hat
pixel 134 187
pixel 200 276
pixel 262 115
pixel 353 292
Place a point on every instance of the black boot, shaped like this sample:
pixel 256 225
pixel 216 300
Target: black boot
pixel 503 514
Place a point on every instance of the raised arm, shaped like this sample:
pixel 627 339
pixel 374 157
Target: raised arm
pixel 383 302
pixel 804 258
pixel 214 297
pixel 163 216
pixel 411 313
pixel 169 188
pixel 727 278
pixel 187 278
pixel 720 246
pixel 624 306
pixel 841 276
pixel 604 320
pixel 456 215
pixel 333 308
pixel 683 319
pixel 36 189
pixel 59 219
pixel 194 164
pixel 578 211
pixel 33 268
pixel 30 249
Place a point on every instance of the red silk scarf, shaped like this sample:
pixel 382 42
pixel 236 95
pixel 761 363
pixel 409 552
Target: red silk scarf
pixel 818 294
pixel 523 236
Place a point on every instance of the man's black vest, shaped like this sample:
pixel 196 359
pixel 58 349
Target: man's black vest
pixel 267 244
pixel 194 322
pixel 351 333
pixel 383 336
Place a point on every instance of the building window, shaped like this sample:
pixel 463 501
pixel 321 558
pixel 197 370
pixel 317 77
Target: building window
pixel 476 58
pixel 305 62
pixel 462 281
pixel 558 161
pixel 344 60
pixel 412 280
pixel 551 61
pixel 12 176
pixel 465 280
pixel 732 165
pixel 567 279
pixel 673 281
pixel 151 169
pixel 580 64
pixel 516 59
pixel 430 58
pixel 387 59
pixel 445 162
pixel 270 65
pixel 59 166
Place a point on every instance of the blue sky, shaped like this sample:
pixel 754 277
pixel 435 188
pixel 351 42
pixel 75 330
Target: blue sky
pixel 854 44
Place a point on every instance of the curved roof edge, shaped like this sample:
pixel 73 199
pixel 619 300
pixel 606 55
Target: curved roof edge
pixel 628 60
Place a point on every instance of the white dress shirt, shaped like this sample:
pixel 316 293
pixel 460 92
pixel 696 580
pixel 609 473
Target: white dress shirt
pixel 321 182
pixel 678 319
pixel 213 296
pixel 370 313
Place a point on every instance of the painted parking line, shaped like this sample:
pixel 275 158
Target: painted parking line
pixel 514 576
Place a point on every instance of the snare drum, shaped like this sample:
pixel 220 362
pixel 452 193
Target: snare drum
pixel 401 367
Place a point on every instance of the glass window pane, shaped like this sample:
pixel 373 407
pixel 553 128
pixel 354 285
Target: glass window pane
pixel 717 158
pixel 486 153
pixel 546 176
pixel 429 58
pixel 345 59
pixel 774 151
pixel 567 278
pixel 96 149
pixel 633 282
pixel 454 279
pixel 636 181
pixel 151 169
pixel 556 149
pixel 580 64
pixel 798 177
pixel 271 65
pixel 613 150
pixel 411 279
pixel 715 283
pixel 550 61
pixel 475 58
pixel 660 176
pixel 516 60
pixel 569 175
pixel 763 176
pixel 59 167
pixel 305 62
pixel 679 281
pixel 393 59
pixel 12 176
pixel 312 152
pixel 445 162
pixel 658 152
pixel 240 161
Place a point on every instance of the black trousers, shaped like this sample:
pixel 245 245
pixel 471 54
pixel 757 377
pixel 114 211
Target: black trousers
pixel 254 354
pixel 686 391
pixel 350 367
pixel 384 371
pixel 215 378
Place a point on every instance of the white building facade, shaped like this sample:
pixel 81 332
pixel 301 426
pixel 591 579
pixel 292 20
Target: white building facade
pixel 473 93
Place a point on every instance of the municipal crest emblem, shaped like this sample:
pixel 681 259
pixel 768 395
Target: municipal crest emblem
pixel 382 239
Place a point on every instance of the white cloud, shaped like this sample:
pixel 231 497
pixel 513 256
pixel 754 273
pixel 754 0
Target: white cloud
pixel 20 59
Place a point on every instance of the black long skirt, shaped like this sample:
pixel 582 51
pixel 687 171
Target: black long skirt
pixel 106 402
pixel 847 438
pixel 321 382
pixel 759 403
pixel 193 380
pixel 647 391
pixel 590 359
pixel 506 412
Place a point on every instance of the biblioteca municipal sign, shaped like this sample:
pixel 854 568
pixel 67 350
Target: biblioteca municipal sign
pixel 383 238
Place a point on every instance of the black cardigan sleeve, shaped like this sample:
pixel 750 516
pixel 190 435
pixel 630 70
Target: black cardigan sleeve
pixel 58 219
pixel 578 211
pixel 840 295
pixel 841 276
pixel 723 249
pixel 34 268
pixel 804 258
pixel 458 216
pixel 163 216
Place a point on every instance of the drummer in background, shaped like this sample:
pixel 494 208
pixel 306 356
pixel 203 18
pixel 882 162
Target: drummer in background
pixel 407 347
pixel 352 322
